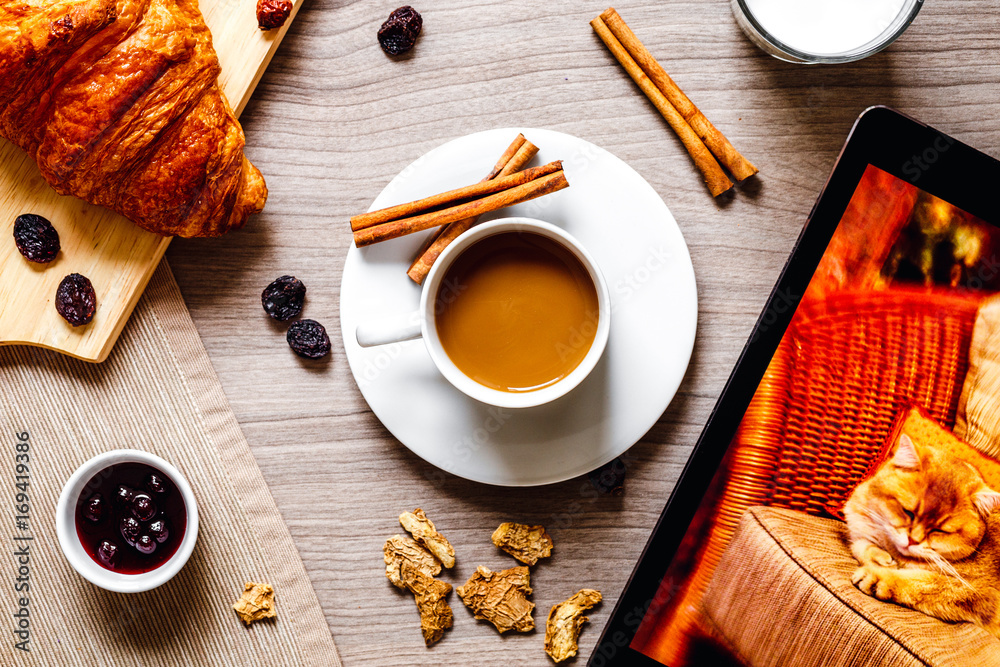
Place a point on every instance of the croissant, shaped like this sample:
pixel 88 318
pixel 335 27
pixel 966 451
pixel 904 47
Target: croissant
pixel 118 102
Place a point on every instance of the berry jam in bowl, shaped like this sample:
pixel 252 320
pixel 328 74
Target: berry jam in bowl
pixel 127 521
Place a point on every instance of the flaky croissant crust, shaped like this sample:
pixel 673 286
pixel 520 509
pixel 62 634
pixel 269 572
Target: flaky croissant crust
pixel 118 102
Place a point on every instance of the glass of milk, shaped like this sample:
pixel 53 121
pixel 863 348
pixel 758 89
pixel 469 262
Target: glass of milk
pixel 824 31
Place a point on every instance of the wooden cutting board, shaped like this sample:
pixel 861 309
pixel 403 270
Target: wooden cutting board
pixel 116 255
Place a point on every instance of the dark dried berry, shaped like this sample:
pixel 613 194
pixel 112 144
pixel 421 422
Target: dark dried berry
pixel 142 507
pixel 158 531
pixel 283 298
pixel 399 33
pixel 76 300
pixel 308 339
pixel 130 529
pixel 93 510
pixel 610 478
pixel 36 238
pixel 272 14
pixel 155 484
pixel 145 544
pixel 107 553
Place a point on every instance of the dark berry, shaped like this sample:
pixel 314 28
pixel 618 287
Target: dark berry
pixel 399 33
pixel 143 507
pixel 272 14
pixel 76 299
pixel 130 529
pixel 308 339
pixel 145 544
pixel 158 531
pixel 283 298
pixel 93 510
pixel 124 496
pixel 36 238
pixel 107 553
pixel 610 478
pixel 155 484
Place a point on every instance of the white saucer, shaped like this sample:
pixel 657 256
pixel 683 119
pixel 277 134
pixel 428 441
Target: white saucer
pixel 628 229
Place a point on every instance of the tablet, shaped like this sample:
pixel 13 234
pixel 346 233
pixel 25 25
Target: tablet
pixel 878 331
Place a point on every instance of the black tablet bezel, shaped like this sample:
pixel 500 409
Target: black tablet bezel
pixel 889 140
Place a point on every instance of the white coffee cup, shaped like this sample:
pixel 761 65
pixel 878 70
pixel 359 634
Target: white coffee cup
pixel 421 323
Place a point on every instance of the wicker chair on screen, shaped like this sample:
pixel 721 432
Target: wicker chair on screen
pixel 847 365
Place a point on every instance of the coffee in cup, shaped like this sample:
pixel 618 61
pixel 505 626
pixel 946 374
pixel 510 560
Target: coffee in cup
pixel 516 311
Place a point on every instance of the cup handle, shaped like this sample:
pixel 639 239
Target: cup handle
pixel 387 330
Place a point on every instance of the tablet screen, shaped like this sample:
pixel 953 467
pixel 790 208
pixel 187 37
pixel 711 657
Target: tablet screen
pixel 889 343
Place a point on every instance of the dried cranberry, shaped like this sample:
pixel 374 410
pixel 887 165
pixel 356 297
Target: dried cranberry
pixel 130 529
pixel 124 495
pixel 399 33
pixel 308 339
pixel 158 531
pixel 145 544
pixel 143 507
pixel 155 484
pixel 610 478
pixel 36 238
pixel 272 14
pixel 283 298
pixel 76 300
pixel 93 510
pixel 107 553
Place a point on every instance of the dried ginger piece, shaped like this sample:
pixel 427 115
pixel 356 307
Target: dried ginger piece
pixel 523 542
pixel 399 549
pixel 565 620
pixel 430 595
pixel 500 598
pixel 256 603
pixel 410 567
pixel 424 532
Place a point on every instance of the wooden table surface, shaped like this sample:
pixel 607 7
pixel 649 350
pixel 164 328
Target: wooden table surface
pixel 334 119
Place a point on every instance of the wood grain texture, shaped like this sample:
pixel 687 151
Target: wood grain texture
pixel 334 119
pixel 117 256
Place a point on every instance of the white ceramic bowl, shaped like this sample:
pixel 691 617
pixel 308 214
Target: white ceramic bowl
pixel 81 561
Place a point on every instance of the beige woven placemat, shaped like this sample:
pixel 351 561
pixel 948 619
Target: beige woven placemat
pixel 156 392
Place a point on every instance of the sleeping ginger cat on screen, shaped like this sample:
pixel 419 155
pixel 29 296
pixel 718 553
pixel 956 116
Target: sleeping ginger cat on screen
pixel 924 530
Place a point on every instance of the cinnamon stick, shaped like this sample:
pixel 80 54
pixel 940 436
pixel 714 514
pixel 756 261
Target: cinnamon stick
pixel 452 197
pixel 518 154
pixel 552 180
pixel 724 151
pixel 508 155
pixel 715 178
